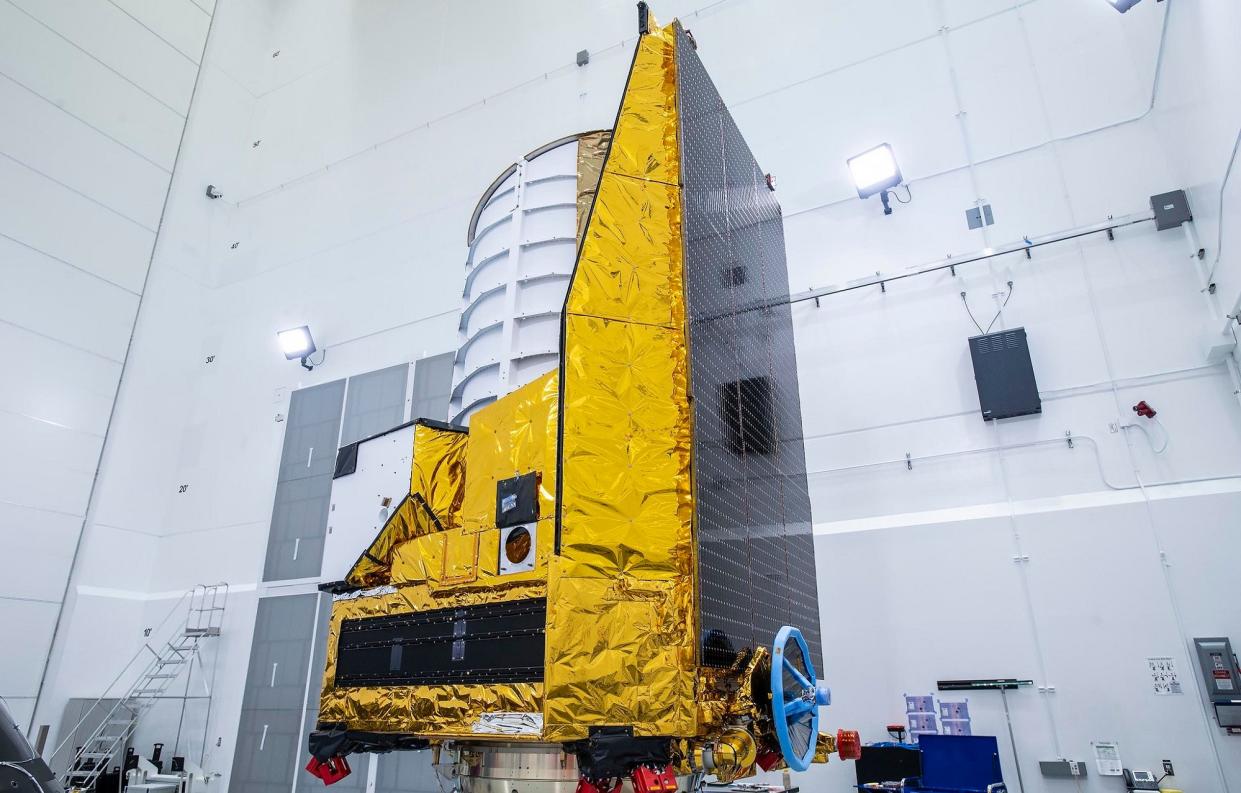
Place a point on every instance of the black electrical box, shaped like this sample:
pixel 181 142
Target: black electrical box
pixel 887 764
pixel 517 500
pixel 1004 375
pixel 1171 209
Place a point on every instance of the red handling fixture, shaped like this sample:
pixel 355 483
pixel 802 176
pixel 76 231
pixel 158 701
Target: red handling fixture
pixel 648 780
pixel 331 772
pixel 768 760
pixel 848 744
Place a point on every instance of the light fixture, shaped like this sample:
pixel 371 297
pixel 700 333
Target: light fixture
pixel 875 171
pixel 1123 5
pixel 297 343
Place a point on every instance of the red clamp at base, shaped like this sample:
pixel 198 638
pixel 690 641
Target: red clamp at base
pixel 331 772
pixel 648 780
pixel 768 760
pixel 585 785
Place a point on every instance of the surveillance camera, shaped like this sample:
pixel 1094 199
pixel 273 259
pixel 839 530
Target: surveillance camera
pixel 212 192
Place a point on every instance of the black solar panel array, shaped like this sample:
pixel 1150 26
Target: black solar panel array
pixel 755 542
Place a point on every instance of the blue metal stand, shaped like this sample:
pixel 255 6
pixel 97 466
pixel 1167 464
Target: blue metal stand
pixel 795 698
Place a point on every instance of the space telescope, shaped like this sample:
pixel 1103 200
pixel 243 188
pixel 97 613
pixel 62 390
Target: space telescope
pixel 606 581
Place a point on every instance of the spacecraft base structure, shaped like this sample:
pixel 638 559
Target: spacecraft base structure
pixel 606 581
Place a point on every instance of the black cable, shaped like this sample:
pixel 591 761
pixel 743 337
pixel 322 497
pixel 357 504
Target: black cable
pixel 990 324
pixel 1002 305
pixel 909 196
pixel 966 303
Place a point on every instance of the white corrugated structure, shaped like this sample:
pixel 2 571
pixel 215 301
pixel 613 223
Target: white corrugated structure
pixel 523 242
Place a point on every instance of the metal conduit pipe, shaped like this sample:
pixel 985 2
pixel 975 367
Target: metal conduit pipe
pixel 952 262
pixel 1063 441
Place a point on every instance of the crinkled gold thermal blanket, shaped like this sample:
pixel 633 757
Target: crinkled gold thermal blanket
pixel 620 632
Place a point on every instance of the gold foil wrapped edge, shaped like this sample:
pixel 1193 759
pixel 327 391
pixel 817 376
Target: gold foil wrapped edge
pixel 592 149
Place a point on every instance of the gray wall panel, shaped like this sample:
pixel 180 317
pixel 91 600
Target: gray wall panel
pixel 280 653
pixel 304 486
pixel 432 387
pixel 267 751
pixel 356 781
pixel 311 431
pixel 298 526
pixel 375 403
pixel 268 736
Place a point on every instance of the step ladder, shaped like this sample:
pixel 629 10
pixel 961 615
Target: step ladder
pixel 168 658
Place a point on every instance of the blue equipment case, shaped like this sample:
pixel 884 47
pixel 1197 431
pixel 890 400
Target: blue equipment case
pixel 954 764
pixel 959 764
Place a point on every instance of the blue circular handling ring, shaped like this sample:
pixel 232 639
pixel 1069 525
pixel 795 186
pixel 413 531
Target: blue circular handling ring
pixel 792 707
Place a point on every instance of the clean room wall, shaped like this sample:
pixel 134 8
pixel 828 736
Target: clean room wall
pixel 94 97
pixel 352 142
pixel 1199 120
pixel 112 598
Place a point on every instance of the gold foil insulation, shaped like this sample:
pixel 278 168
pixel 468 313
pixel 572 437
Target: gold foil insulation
pixel 443 711
pixel 437 487
pixel 438 472
pixel 626 507
pixel 513 435
pixel 726 695
pixel 618 656
pixel 460 545
pixel 620 628
pixel 824 747
pixel 374 567
pixel 448 711
pixel 425 559
pixel 592 148
pixel 644 142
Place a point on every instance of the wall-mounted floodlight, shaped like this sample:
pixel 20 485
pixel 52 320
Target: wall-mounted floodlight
pixel 1123 5
pixel 297 343
pixel 875 171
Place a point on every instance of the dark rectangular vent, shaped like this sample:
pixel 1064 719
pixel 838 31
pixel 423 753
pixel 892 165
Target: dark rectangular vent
pixel 491 643
pixel 750 415
pixel 734 276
